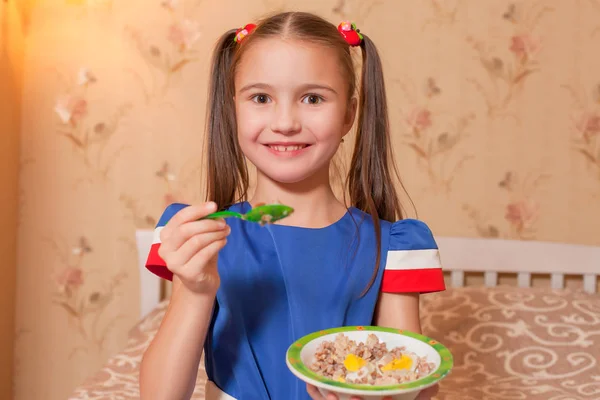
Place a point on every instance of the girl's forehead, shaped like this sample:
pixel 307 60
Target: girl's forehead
pixel 289 60
pixel 285 45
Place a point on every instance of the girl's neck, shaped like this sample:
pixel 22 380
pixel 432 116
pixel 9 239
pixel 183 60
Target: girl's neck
pixel 315 205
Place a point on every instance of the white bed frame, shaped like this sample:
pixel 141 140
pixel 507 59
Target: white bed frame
pixel 459 256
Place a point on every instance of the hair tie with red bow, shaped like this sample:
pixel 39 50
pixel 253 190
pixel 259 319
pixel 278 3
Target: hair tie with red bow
pixel 241 33
pixel 350 33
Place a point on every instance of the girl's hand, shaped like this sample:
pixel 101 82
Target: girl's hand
pixel 314 394
pixel 190 247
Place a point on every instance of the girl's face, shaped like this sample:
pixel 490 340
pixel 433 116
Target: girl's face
pixel 292 108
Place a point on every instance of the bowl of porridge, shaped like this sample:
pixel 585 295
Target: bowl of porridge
pixel 369 361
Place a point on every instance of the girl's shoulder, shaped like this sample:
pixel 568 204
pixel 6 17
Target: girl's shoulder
pixel 413 262
pixel 404 234
pixel 411 234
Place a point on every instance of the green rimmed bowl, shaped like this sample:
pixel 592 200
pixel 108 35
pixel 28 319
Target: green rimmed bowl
pixel 301 354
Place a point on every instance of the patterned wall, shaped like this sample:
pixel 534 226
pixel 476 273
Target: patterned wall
pixel 495 108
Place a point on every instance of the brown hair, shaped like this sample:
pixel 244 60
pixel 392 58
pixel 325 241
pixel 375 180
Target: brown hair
pixel 369 183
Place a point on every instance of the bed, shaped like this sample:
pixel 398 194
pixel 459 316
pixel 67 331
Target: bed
pixel 510 341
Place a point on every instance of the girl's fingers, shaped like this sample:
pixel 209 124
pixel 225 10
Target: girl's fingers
pixel 193 212
pixel 187 214
pixel 187 231
pixel 314 393
pixel 194 245
pixel 195 266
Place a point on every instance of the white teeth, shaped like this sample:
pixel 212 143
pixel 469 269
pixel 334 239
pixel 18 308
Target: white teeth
pixel 287 148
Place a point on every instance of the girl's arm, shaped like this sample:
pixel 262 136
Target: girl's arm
pixel 188 252
pixel 398 310
pixel 170 365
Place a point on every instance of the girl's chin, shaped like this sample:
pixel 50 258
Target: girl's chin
pixel 287 178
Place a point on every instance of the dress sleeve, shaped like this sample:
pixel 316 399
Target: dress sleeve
pixel 413 261
pixel 155 263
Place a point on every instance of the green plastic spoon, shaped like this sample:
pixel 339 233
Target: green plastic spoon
pixel 262 214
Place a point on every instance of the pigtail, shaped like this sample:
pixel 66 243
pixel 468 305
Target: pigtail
pixel 227 179
pixel 370 184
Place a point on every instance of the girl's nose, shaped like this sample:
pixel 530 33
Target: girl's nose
pixel 285 120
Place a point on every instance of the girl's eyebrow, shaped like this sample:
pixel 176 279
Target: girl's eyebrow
pixel 307 86
pixel 251 86
pixel 312 86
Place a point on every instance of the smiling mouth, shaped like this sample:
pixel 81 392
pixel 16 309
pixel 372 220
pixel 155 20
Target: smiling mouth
pixel 285 148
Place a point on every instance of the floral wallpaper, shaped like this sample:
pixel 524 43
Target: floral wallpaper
pixel 495 113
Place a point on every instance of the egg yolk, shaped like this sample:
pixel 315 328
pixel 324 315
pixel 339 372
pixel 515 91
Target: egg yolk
pixel 404 362
pixel 353 363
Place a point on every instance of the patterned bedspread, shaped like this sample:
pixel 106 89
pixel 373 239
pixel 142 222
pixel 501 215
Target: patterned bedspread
pixel 508 344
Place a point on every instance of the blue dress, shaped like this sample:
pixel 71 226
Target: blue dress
pixel 279 283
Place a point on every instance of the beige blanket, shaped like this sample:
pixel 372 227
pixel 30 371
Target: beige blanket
pixel 508 344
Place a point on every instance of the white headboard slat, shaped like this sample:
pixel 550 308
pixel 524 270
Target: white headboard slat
pixel 458 278
pixel 524 279
pixel 589 282
pixel 557 281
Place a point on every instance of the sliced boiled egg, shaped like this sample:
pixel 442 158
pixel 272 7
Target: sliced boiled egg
pixel 353 362
pixel 405 362
pixel 366 370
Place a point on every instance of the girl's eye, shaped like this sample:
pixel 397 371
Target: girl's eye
pixel 312 99
pixel 260 98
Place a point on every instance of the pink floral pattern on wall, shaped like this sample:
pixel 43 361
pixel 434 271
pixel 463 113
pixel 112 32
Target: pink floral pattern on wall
pixel 173 187
pixel 508 72
pixel 89 135
pixel 136 213
pixel 167 53
pixel 84 309
pixel 180 187
pixel 357 10
pixel 521 210
pixel 445 12
pixel 586 127
pixel 435 137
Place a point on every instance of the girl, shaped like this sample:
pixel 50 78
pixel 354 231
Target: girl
pixel 282 95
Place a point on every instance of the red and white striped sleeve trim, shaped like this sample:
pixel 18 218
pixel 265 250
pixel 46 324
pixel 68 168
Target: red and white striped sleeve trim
pixel 413 271
pixel 155 263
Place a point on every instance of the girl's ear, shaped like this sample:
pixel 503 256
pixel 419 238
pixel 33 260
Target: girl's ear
pixel 350 115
